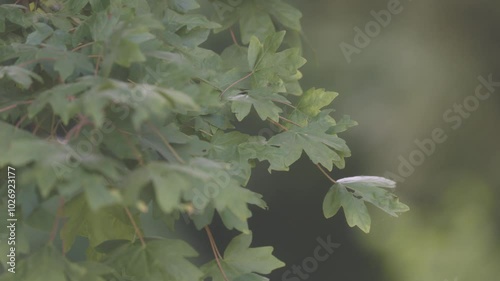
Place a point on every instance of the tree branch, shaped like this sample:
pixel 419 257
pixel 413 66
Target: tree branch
pixel 137 230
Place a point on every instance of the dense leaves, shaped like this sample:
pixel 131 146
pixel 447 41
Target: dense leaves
pixel 119 120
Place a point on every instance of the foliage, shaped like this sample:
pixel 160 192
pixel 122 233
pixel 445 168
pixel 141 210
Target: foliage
pixel 113 111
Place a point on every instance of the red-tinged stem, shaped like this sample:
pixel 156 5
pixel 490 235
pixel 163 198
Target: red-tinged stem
pixel 216 252
pixel 82 46
pixel 167 144
pixel 55 226
pixel 232 85
pixel 233 37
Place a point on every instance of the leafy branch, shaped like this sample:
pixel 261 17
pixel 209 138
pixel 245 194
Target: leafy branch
pixel 152 122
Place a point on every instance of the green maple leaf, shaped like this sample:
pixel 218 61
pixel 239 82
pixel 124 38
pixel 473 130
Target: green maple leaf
pixel 285 14
pixel 277 71
pixel 376 191
pixel 322 148
pixel 98 226
pixel 355 209
pixel 169 183
pixel 223 193
pixel 263 102
pixel 312 101
pixel 163 259
pixel 240 262
pixel 225 147
pixel 352 193
pixel 92 96
pixel 49 264
pixel 24 78
pixel 253 22
pixel 255 18
pixel 184 5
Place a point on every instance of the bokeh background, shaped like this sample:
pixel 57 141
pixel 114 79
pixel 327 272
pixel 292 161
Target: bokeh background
pixel 426 60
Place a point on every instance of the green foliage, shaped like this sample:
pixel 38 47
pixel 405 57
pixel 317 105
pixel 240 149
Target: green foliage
pixel 351 193
pixel 240 261
pixel 119 112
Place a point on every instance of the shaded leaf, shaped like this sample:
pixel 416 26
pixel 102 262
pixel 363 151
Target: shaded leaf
pixel 98 226
pixel 371 189
pixel 240 262
pixel 163 259
pixel 355 210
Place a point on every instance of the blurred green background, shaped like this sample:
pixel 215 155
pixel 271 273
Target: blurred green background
pixel 426 60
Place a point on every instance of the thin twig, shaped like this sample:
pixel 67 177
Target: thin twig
pixel 38 125
pixel 232 85
pixel 326 174
pixel 137 154
pixel 8 107
pixel 82 46
pixel 285 103
pixel 97 65
pixel 15 105
pixel 208 83
pixel 167 144
pixel 55 226
pixel 137 230
pixel 216 252
pixel 290 121
pixel 212 239
pixel 36 129
pixel 53 129
pixel 278 124
pixel 21 120
pixel 205 132
pixel 125 132
pixel 76 129
pixel 233 37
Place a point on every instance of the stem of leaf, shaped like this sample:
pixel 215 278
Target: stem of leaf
pixel 21 120
pixel 98 61
pixel 208 83
pixel 15 105
pixel 55 226
pixel 205 132
pixel 317 165
pixel 326 174
pixel 76 129
pixel 167 144
pixel 233 37
pixel 278 124
pixel 82 46
pixel 285 103
pixel 236 82
pixel 137 154
pixel 290 121
pixel 217 255
pixel 137 230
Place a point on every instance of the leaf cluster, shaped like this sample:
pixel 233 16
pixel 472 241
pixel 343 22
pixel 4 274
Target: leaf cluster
pixel 116 112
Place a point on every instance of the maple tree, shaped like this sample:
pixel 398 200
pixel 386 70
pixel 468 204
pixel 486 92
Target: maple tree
pixel 116 110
